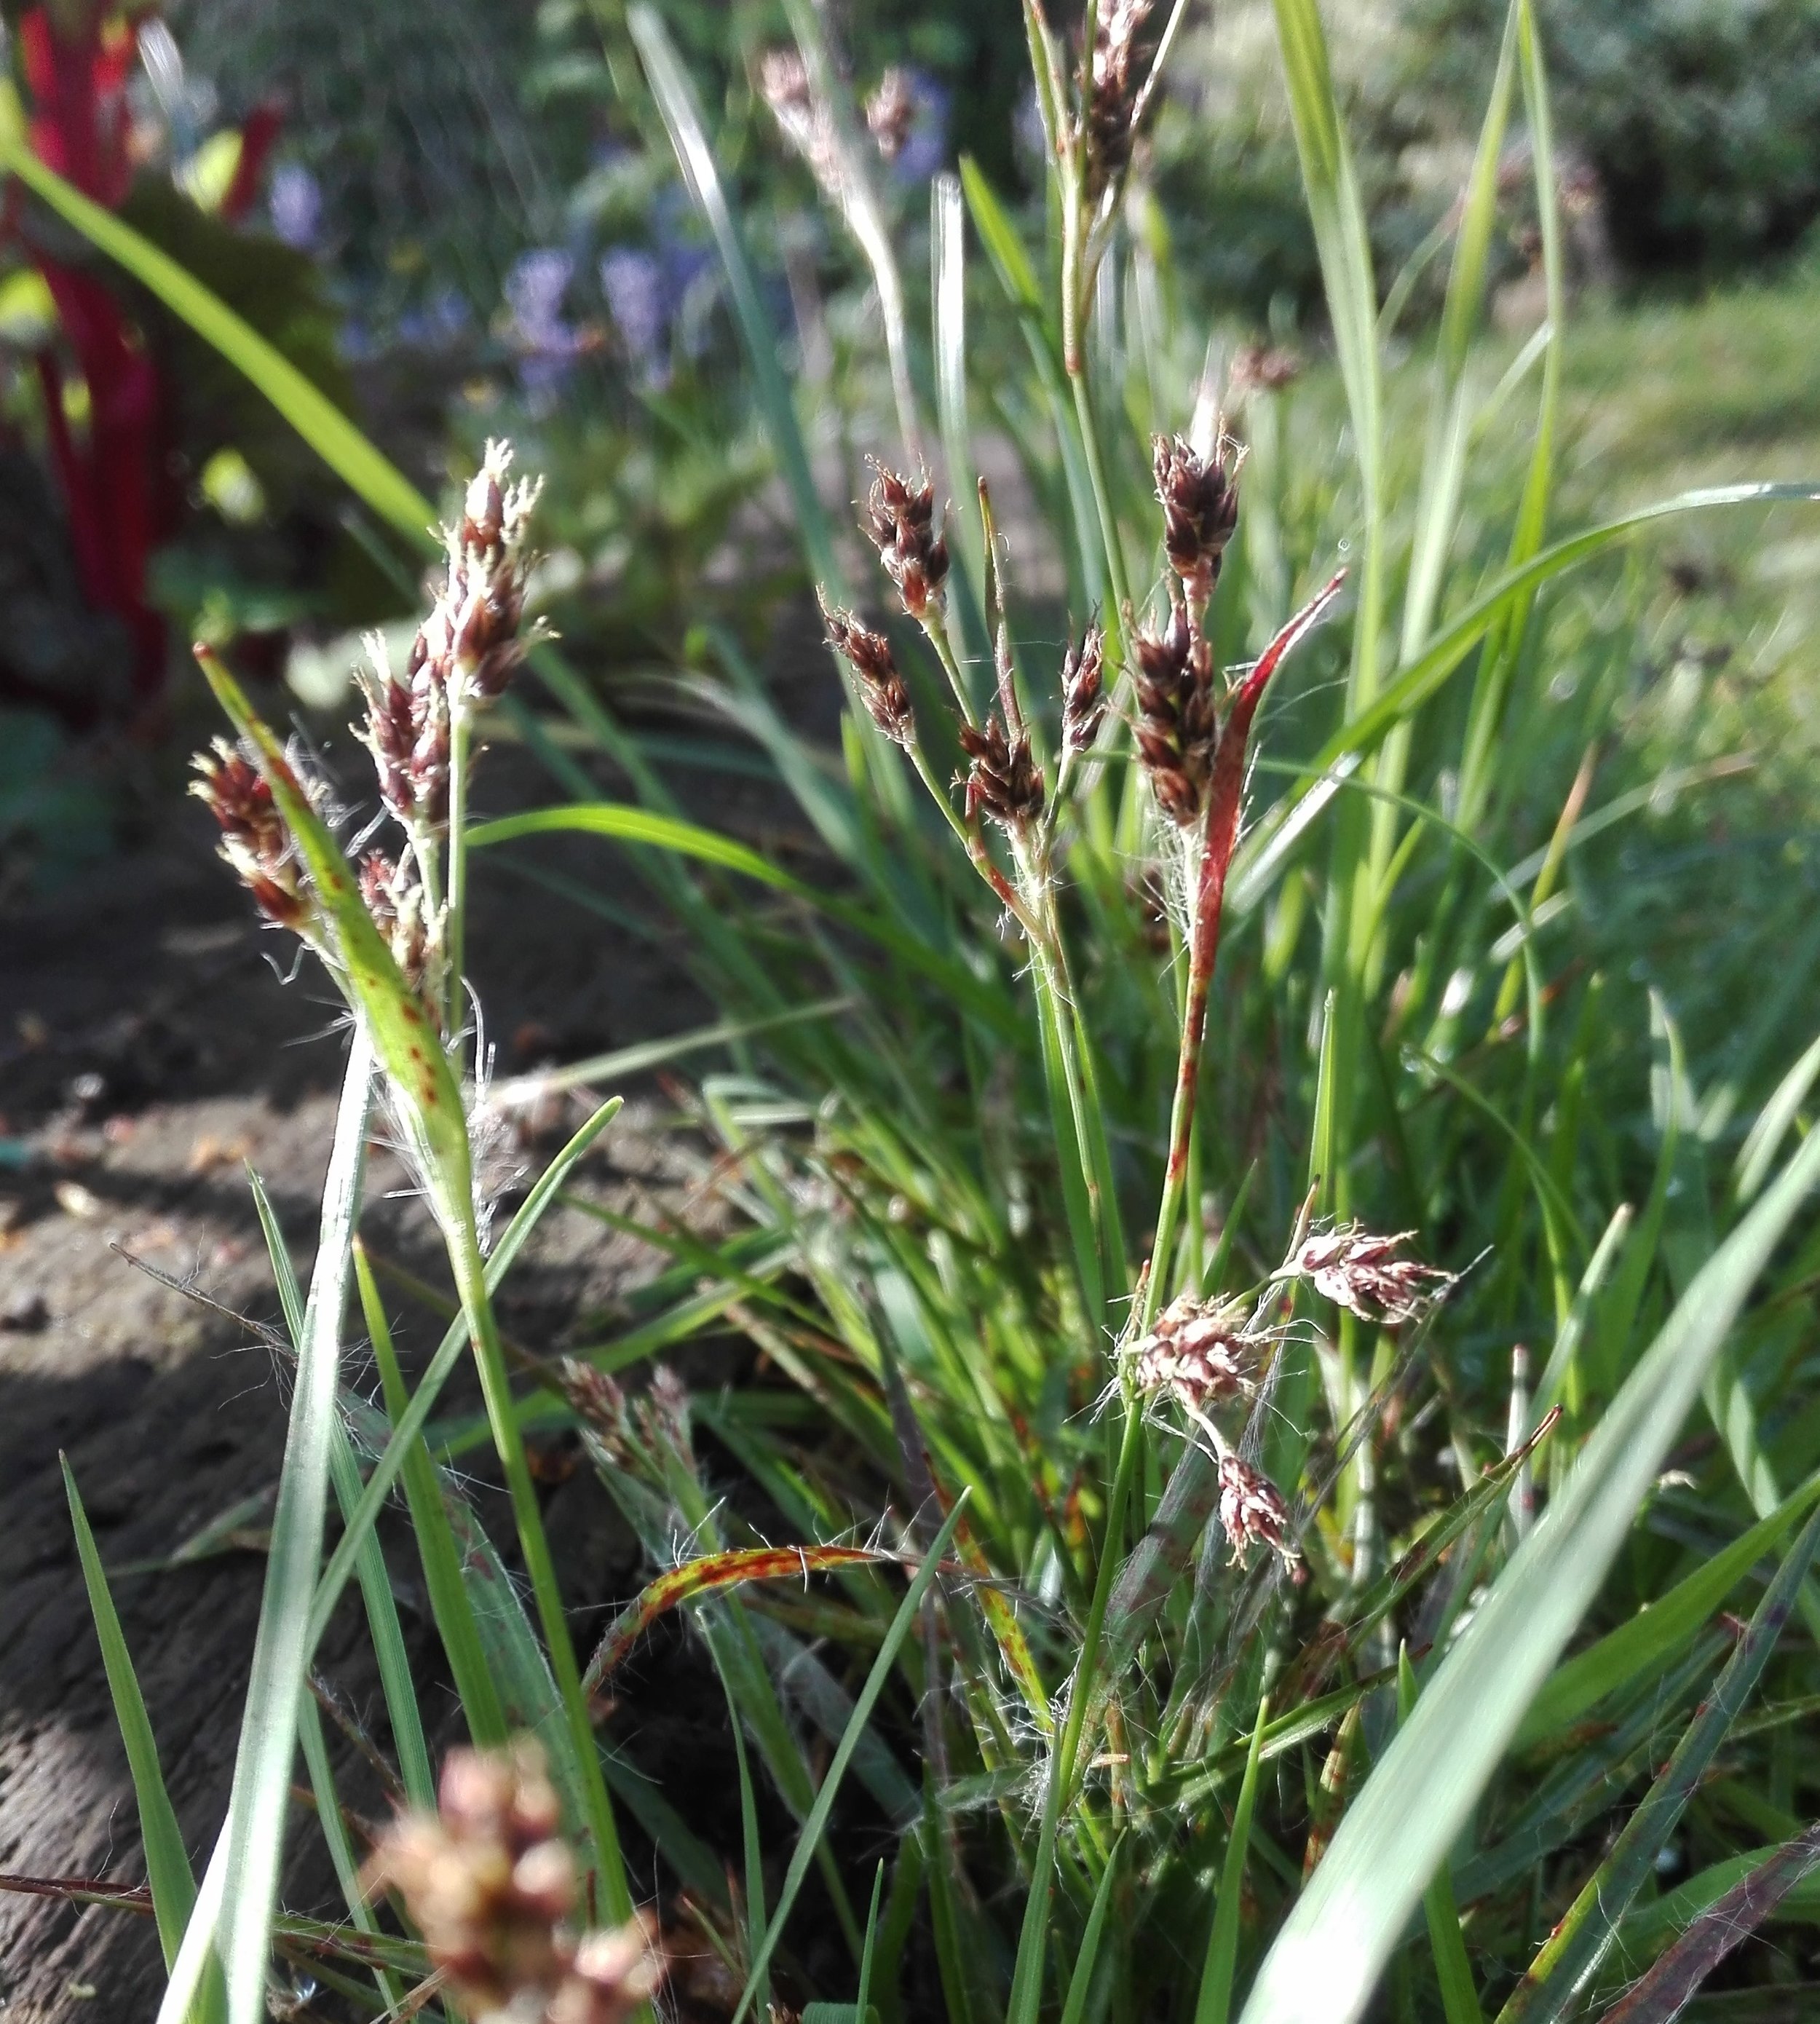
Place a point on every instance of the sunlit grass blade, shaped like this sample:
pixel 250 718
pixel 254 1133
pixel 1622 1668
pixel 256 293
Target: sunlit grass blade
pixel 1214 2000
pixel 815 1826
pixel 1459 1999
pixel 384 1473
pixel 436 1546
pixel 253 1836
pixel 1414 685
pixel 1326 1961
pixel 1556 1979
pixel 388 1635
pixel 1330 185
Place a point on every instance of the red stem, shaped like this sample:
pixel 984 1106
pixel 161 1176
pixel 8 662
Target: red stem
pixel 1225 794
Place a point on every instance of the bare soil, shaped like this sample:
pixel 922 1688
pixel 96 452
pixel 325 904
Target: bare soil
pixel 147 1053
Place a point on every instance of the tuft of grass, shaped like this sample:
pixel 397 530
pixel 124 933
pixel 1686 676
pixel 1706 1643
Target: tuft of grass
pixel 1054 1256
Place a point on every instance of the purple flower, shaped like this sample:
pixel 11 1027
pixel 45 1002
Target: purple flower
pixel 639 300
pixel 296 205
pixel 547 346
pixel 925 146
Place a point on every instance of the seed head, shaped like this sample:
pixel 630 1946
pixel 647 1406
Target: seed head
pixel 1264 368
pixel 882 689
pixel 1176 726
pixel 1360 1272
pixel 486 1878
pixel 1252 1510
pixel 1083 696
pixel 395 898
pixel 256 840
pixel 491 1885
pixel 1200 508
pixel 1116 69
pixel 890 112
pixel 784 85
pixel 900 519
pixel 1001 782
pixel 1201 1351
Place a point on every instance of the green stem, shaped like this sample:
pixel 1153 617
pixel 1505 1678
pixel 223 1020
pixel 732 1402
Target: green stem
pixel 1112 620
pixel 495 1387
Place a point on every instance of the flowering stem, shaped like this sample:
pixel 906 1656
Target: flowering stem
pixel 1220 834
pixel 975 845
pixel 490 1360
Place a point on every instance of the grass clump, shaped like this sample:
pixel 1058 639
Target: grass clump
pixel 1213 1197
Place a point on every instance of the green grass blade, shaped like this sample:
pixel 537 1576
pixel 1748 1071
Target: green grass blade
pixel 261 1792
pixel 1081 1982
pixel 341 1853
pixel 1213 2003
pixel 441 1559
pixel 1459 1999
pixel 1772 1125
pixel 816 1824
pixel 1327 1959
pixel 388 1635
pixel 1562 1971
pixel 1343 243
pixel 385 1472
pixel 627 824
pixel 1429 673
pixel 167 1868
pixel 1653 1635
pixel 321 424
pixel 688 132
pixel 863 1999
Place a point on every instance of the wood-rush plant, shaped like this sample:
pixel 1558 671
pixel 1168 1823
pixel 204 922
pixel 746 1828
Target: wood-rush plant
pixel 1246 1549
pixel 391 935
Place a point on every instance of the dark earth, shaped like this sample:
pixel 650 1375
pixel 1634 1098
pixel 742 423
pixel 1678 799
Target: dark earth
pixel 149 1053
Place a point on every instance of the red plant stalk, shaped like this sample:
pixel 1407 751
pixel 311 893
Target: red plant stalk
pixel 119 498
pixel 1225 796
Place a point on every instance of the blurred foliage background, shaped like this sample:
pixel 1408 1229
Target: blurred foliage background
pixel 465 223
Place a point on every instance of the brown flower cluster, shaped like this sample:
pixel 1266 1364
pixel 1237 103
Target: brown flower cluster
pixel 882 688
pixel 463 653
pixel 1083 690
pixel 1201 1350
pixel 461 657
pixel 900 518
pixel 1177 722
pixel 1199 497
pixel 1114 71
pixel 490 1883
pixel 1252 1512
pixel 1259 369
pixel 784 85
pixel 890 112
pixel 1363 1273
pixel 256 840
pixel 1002 782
